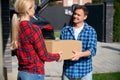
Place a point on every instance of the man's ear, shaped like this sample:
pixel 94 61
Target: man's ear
pixel 85 17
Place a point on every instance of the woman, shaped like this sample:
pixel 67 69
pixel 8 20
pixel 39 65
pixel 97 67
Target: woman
pixel 27 38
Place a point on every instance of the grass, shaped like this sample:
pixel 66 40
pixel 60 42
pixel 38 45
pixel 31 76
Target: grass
pixel 57 34
pixel 107 76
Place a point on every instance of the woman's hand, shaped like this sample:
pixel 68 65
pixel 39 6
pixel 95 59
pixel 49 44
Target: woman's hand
pixel 60 59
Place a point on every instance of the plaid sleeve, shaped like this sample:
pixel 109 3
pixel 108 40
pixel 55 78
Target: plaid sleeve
pixel 40 47
pixel 92 42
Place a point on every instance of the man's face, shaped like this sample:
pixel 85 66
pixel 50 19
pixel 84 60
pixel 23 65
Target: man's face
pixel 79 16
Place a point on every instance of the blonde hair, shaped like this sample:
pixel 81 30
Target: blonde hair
pixel 15 24
pixel 21 7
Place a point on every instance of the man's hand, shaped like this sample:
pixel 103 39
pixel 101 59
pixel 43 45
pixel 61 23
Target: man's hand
pixel 77 55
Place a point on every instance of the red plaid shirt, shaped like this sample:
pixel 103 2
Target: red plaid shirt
pixel 31 52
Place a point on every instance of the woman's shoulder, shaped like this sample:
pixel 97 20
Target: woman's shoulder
pixel 24 23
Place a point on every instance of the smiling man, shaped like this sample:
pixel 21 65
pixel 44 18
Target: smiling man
pixel 80 66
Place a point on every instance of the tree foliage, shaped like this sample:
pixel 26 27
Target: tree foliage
pixel 116 28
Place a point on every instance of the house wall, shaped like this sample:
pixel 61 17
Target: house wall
pixel 70 2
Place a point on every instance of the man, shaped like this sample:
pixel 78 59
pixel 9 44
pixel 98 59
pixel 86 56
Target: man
pixel 80 66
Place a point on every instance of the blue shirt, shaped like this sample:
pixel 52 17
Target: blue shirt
pixel 88 36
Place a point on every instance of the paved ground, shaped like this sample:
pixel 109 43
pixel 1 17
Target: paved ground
pixel 106 60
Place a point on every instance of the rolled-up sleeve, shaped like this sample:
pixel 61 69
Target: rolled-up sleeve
pixel 92 42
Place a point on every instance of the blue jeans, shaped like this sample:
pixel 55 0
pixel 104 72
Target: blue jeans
pixel 29 76
pixel 87 77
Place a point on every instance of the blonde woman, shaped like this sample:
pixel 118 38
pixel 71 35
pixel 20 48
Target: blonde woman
pixel 28 40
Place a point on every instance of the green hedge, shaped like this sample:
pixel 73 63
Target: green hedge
pixel 116 24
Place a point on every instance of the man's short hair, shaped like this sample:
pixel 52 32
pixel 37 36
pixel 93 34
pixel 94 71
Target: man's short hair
pixel 83 7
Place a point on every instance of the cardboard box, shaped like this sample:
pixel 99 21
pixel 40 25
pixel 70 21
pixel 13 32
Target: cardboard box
pixel 66 46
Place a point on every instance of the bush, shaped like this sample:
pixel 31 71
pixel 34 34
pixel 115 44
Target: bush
pixel 116 24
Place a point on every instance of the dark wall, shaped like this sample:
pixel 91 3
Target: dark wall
pixel 96 18
pixel 6 35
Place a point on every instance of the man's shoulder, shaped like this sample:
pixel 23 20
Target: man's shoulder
pixel 89 27
pixel 66 27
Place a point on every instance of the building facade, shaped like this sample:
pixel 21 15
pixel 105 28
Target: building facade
pixel 71 2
